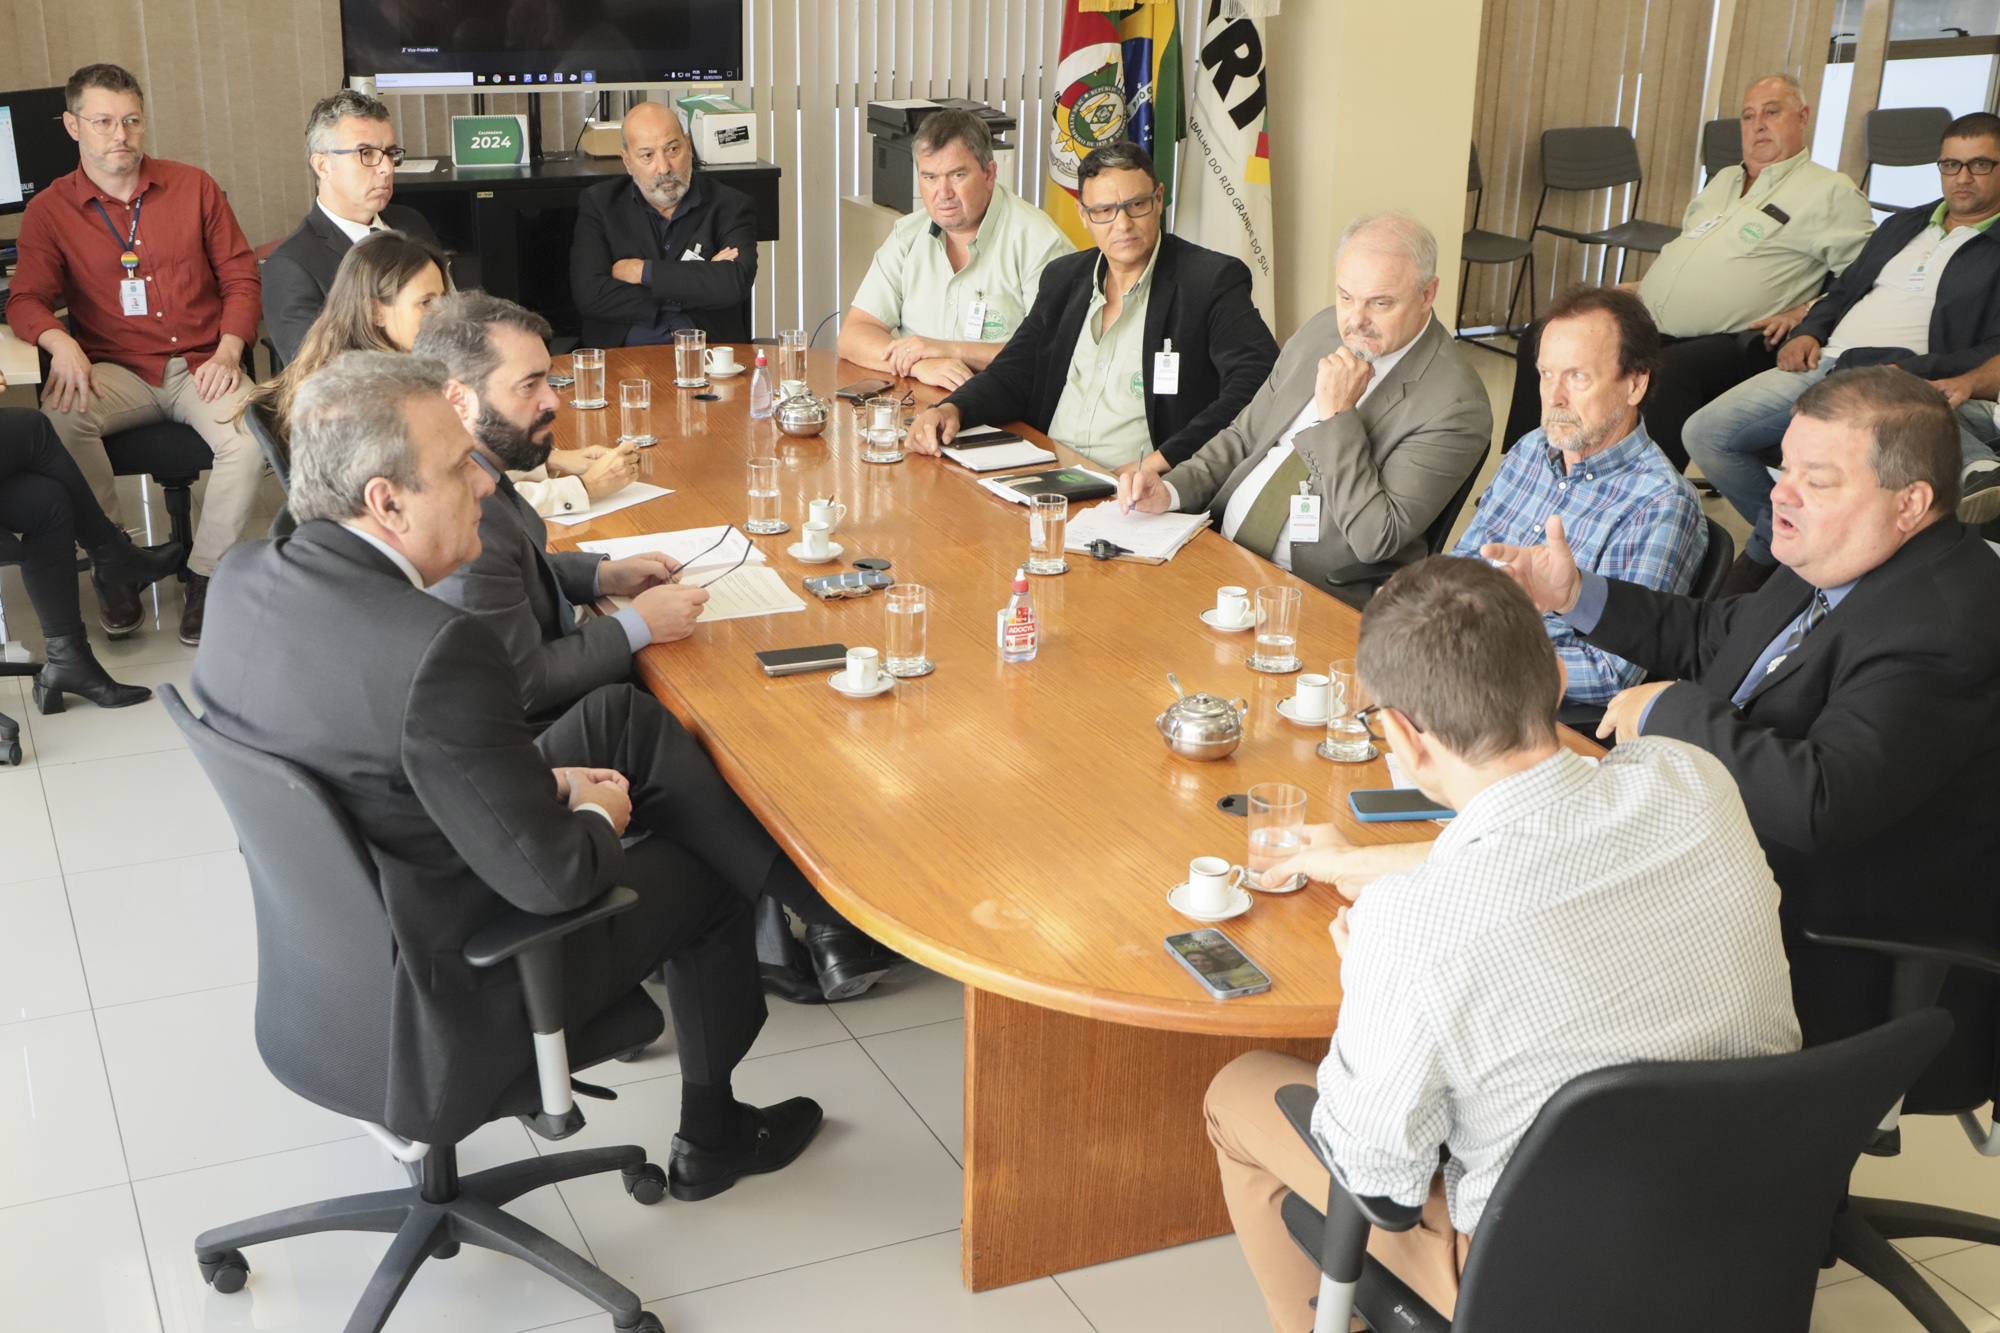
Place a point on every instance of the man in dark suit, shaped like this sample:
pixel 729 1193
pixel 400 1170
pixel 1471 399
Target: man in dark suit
pixel 1855 696
pixel 498 361
pixel 1136 353
pixel 665 250
pixel 324 649
pixel 352 149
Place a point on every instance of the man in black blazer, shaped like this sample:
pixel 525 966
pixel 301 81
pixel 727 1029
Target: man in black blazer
pixel 666 249
pixel 352 149
pixel 1855 696
pixel 324 648
pixel 1136 353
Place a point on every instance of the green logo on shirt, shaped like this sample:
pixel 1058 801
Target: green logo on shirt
pixel 1752 232
pixel 1138 384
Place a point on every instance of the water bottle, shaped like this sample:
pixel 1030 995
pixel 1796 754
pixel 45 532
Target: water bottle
pixel 1018 635
pixel 760 389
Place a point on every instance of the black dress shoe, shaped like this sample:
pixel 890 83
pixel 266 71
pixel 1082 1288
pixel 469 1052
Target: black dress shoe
pixel 120 560
pixel 793 981
pixel 773 1137
pixel 118 608
pixel 194 604
pixel 1745 576
pixel 72 668
pixel 846 961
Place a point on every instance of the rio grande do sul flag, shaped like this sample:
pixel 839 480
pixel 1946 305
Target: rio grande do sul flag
pixel 1225 201
pixel 1119 77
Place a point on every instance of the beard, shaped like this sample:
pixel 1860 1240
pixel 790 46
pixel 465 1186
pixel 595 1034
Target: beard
pixel 1572 434
pixel 664 190
pixel 1348 337
pixel 516 446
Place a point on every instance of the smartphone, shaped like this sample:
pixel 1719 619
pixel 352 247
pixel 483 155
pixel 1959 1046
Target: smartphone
pixel 1223 970
pixel 792 661
pixel 860 389
pixel 1380 807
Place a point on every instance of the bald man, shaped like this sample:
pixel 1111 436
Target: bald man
pixel 665 249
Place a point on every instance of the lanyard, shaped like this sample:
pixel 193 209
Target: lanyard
pixel 130 258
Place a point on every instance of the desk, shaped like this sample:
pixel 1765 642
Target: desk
pixel 1014 826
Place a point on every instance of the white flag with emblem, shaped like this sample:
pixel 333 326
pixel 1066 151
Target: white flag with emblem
pixel 1224 201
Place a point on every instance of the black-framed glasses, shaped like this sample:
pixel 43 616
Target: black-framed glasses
pixel 1366 717
pixel 1978 166
pixel 1131 208
pixel 371 156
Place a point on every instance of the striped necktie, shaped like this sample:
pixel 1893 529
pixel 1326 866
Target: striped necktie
pixel 1807 624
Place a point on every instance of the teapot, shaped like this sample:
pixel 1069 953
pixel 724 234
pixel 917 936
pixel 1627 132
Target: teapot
pixel 802 414
pixel 1201 726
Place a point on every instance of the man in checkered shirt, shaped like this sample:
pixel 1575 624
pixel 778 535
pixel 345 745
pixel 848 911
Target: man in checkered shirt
pixel 1572 917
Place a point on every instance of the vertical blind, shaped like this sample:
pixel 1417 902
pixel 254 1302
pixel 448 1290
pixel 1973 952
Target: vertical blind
pixel 1776 37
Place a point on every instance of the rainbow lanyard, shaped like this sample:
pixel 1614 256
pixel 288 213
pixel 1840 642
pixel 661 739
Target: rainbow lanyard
pixel 130 257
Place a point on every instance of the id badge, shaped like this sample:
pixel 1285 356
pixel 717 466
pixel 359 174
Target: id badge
pixel 693 253
pixel 975 322
pixel 1918 276
pixel 1304 526
pixel 132 296
pixel 1706 227
pixel 1166 372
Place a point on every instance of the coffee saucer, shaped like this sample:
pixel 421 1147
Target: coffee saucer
pixel 1288 709
pixel 797 551
pixel 1210 619
pixel 726 374
pixel 883 684
pixel 1239 903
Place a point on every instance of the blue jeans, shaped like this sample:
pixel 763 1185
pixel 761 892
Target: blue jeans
pixel 1731 435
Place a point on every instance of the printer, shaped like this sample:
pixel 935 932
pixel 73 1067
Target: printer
pixel 894 128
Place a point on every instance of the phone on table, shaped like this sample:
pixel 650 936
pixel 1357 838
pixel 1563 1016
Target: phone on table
pixel 1223 970
pixel 793 661
pixel 861 389
pixel 1393 803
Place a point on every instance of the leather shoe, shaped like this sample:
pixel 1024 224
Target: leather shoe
pixel 773 1137
pixel 121 560
pixel 194 603
pixel 793 980
pixel 118 608
pixel 1745 576
pixel 847 961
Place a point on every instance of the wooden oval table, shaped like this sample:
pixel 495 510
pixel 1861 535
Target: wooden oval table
pixel 1016 826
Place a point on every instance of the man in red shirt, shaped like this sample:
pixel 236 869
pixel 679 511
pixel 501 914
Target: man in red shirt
pixel 163 297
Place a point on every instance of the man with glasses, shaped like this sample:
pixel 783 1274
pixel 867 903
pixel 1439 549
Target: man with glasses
pixel 351 148
pixel 162 296
pixel 1924 294
pixel 1136 353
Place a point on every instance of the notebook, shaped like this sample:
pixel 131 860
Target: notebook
pixel 1157 537
pixel 1074 483
pixel 994 457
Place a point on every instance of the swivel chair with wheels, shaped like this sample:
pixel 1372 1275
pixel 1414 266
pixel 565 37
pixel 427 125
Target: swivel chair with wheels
pixel 1647 1198
pixel 175 456
pixel 324 996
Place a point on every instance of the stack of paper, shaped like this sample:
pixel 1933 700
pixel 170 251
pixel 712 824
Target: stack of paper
pixel 995 457
pixel 1148 536
pixel 637 493
pixel 754 590
pixel 696 549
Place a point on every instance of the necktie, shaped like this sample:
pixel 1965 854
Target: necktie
pixel 1807 624
pixel 1272 508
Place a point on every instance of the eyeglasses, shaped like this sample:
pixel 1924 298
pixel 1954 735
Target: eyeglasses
pixel 1978 166
pixel 371 156
pixel 132 124
pixel 1131 208
pixel 1366 717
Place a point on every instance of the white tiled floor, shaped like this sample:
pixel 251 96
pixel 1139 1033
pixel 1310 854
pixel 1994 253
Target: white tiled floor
pixel 134 1112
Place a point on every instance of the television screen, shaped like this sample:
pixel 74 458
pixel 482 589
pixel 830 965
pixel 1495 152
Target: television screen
pixel 480 44
pixel 34 146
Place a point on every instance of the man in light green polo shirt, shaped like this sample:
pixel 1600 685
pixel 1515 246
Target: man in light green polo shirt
pixel 951 284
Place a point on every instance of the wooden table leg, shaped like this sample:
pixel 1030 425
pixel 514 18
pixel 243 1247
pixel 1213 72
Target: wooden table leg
pixel 1084 1140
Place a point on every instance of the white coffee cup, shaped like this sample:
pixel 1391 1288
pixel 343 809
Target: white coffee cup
pixel 1310 700
pixel 863 668
pixel 720 360
pixel 791 388
pixel 1232 605
pixel 828 512
pixel 1210 879
pixel 817 545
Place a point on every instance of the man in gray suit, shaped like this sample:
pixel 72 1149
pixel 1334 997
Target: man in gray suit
pixel 1370 407
pixel 498 361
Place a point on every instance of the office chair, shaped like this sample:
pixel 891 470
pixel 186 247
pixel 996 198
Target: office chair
pixel 1647 1198
pixel 1491 247
pixel 1355 584
pixel 1599 157
pixel 1904 136
pixel 1957 1083
pixel 1721 146
pixel 175 456
pixel 257 420
pixel 13 659
pixel 324 991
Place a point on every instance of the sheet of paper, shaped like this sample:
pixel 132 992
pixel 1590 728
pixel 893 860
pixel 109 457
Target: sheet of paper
pixel 754 590
pixel 637 493
pixel 999 486
pixel 18 361
pixel 417 166
pixel 997 457
pixel 1156 536
pixel 696 548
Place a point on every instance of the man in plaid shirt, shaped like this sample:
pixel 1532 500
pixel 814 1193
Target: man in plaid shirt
pixel 1628 512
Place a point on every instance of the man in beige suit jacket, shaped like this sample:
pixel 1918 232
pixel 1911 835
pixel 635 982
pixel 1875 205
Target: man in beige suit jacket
pixel 1371 407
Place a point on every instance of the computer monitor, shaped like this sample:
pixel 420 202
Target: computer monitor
pixel 34 147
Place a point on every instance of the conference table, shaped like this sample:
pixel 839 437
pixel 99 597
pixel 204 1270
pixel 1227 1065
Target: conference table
pixel 1015 826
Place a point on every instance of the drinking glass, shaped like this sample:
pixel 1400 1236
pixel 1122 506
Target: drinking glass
pixel 791 355
pixel 881 427
pixel 1277 630
pixel 635 413
pixel 908 612
pixel 587 364
pixel 1048 519
pixel 765 498
pixel 1277 831
pixel 1347 740
pixel 690 358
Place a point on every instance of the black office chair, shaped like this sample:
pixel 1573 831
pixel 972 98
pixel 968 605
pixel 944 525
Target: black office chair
pixel 1599 157
pixel 175 456
pixel 323 1019
pixel 1904 136
pixel 1647 1198
pixel 1958 1083
pixel 1721 146
pixel 257 420
pixel 1355 584
pixel 10 730
pixel 1492 247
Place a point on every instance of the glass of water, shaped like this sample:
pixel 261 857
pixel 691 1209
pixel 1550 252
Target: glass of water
pixel 1277 832
pixel 881 427
pixel 635 413
pixel 791 355
pixel 1347 740
pixel 908 607
pixel 587 364
pixel 765 498
pixel 690 358
pixel 1048 520
pixel 1277 645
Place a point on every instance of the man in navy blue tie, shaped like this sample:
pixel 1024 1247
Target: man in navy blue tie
pixel 1855 696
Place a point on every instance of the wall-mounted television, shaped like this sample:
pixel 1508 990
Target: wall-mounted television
pixel 536 45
